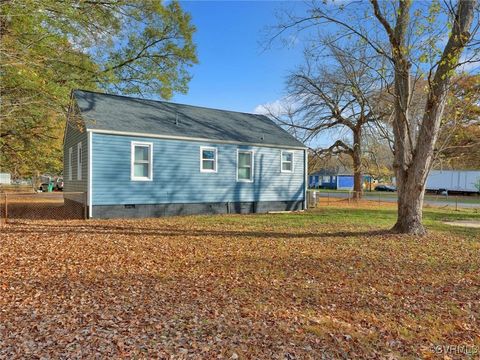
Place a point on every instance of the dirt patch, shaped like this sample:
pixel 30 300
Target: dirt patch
pixel 464 223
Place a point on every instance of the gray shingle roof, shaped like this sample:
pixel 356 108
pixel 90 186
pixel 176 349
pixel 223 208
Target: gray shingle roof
pixel 126 114
pixel 332 171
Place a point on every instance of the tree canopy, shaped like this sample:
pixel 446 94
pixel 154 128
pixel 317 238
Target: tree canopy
pixel 49 47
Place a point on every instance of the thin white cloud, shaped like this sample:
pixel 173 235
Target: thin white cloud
pixel 269 107
pixel 471 63
pixel 280 107
pixel 277 107
pixel 470 67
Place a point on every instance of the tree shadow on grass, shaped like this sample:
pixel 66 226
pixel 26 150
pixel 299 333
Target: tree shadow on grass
pixel 168 231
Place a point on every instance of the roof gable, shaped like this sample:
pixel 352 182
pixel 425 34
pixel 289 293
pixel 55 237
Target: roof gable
pixel 125 114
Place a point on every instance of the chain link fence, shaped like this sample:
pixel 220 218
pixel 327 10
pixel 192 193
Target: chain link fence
pixel 42 206
pixel 318 198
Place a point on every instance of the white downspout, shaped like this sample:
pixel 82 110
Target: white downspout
pixel 89 186
pixel 305 201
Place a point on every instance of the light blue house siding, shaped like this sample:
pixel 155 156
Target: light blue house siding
pixel 177 177
pixel 72 183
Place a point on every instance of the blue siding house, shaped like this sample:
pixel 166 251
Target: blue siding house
pixel 326 179
pixel 146 158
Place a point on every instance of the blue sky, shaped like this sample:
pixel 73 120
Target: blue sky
pixel 234 71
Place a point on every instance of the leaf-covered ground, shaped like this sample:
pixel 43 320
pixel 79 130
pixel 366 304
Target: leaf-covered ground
pixel 329 282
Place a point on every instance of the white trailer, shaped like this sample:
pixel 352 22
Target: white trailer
pixel 465 181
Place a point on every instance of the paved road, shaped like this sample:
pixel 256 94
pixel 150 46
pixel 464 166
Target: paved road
pixel 388 198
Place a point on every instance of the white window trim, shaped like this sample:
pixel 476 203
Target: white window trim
pixel 70 167
pixel 252 165
pixel 79 163
pixel 132 161
pixel 215 166
pixel 281 161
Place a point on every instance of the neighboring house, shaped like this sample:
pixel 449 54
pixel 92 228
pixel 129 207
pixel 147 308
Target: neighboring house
pixel 323 179
pixel 332 179
pixel 146 158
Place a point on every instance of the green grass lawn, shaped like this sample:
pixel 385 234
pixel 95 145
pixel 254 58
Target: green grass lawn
pixel 379 217
pixel 331 283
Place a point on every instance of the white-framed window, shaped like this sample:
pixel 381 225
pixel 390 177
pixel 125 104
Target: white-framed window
pixel 142 161
pixel 79 161
pixel 70 163
pixel 287 161
pixel 245 165
pixel 208 159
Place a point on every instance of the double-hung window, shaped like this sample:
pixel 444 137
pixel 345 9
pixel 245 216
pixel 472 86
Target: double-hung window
pixel 208 159
pixel 79 161
pixel 70 161
pixel 142 161
pixel 287 161
pixel 245 165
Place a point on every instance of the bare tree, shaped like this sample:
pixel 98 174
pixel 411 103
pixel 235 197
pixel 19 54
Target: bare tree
pixel 378 158
pixel 333 98
pixel 419 40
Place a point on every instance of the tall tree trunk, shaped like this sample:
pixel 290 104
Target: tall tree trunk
pixel 357 163
pixel 414 157
pixel 410 204
pixel 410 192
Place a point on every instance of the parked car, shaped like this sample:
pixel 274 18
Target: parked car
pixel 46 187
pixel 59 184
pixel 442 192
pixel 387 188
